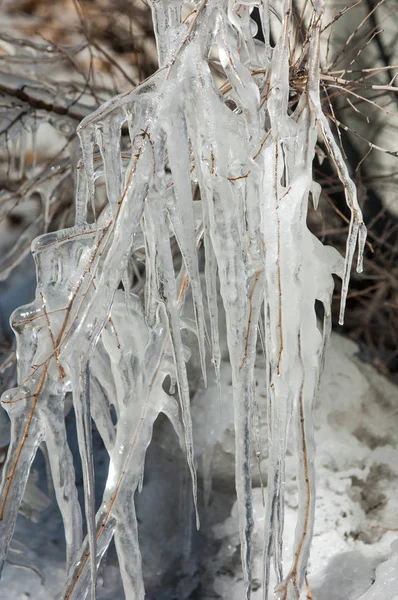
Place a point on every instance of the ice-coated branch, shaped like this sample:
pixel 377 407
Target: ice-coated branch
pixel 225 161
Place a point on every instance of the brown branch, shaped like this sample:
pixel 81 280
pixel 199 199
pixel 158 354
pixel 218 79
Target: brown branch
pixel 41 97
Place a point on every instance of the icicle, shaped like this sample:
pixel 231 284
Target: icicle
pixel 357 230
pixel 265 24
pixel 167 280
pixel 34 127
pixel 46 199
pixel 315 193
pixel 87 141
pixel 232 272
pixel 81 401
pixel 212 300
pixel 62 473
pixel 17 466
pixel 108 139
pixel 183 220
pixel 81 195
pixel 160 26
pixel 22 154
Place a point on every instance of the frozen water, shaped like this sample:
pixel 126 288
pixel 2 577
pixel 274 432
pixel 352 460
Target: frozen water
pixel 231 165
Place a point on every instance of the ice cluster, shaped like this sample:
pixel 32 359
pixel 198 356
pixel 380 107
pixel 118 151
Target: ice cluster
pixel 220 153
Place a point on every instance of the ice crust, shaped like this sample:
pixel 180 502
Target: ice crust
pixel 90 332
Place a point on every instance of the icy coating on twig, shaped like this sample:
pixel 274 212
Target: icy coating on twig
pixel 219 156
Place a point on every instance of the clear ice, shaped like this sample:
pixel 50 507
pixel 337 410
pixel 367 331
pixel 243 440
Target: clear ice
pixel 216 155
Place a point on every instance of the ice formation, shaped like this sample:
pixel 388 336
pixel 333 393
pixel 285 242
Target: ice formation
pixel 218 155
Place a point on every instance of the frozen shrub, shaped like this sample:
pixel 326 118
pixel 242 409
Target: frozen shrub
pixel 225 165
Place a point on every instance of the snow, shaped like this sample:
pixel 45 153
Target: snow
pixel 357 480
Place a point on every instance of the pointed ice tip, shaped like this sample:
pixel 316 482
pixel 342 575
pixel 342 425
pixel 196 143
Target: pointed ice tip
pixel 342 309
pixel 197 520
pixel 248 590
pixel 360 261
